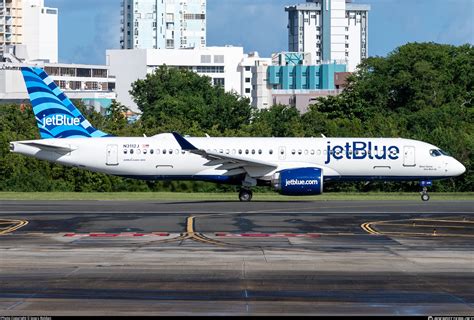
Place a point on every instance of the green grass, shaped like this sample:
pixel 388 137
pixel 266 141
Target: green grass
pixel 170 196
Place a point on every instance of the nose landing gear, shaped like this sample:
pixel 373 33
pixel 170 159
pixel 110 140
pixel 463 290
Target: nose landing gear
pixel 424 192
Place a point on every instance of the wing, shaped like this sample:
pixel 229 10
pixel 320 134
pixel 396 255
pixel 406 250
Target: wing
pixel 232 163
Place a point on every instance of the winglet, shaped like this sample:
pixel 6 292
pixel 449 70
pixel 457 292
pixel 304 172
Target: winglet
pixel 185 144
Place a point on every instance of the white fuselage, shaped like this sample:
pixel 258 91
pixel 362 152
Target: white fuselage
pixel 161 157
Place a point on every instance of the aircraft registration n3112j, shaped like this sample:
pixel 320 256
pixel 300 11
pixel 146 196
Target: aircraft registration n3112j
pixel 291 166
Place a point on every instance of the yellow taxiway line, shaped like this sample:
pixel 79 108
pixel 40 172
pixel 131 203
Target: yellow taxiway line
pixel 369 228
pixel 13 226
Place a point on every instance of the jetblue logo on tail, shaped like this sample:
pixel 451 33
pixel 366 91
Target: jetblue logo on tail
pixel 60 120
pixel 359 150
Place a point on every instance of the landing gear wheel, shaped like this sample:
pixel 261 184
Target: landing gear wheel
pixel 425 197
pixel 245 195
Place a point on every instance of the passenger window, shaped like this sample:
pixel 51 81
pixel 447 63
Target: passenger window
pixel 131 151
pixel 253 151
pixel 125 151
pixel 164 151
pixel 221 151
pixel 271 151
pixel 171 152
pixel 234 151
pixel 306 152
pixel 293 152
pixel 260 151
pixel 240 151
pixel 319 152
pixel 312 152
pixel 145 151
pixel 139 151
pixel 300 152
pixel 227 151
pixel 247 151
pixel 152 151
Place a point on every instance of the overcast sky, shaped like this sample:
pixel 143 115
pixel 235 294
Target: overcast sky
pixel 88 27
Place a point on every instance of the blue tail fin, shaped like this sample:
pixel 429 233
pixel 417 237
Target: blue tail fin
pixel 56 116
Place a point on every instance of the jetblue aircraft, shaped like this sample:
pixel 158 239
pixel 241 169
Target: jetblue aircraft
pixel 291 166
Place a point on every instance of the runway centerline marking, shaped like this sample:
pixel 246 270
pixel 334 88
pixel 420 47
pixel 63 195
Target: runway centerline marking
pixel 12 225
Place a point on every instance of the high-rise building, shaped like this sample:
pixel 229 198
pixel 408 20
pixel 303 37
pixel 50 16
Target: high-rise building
pixel 163 24
pixel 11 23
pixel 40 31
pixel 331 30
pixel 31 25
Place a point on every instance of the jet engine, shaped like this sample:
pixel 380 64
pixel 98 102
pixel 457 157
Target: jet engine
pixel 299 182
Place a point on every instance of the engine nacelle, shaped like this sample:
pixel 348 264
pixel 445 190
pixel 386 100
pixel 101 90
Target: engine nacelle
pixel 299 182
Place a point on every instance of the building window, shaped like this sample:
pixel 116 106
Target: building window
pixel 209 69
pixel 75 85
pixel 99 73
pixel 220 82
pixel 218 59
pixel 206 58
pixel 192 16
pixel 81 72
pixel 248 80
pixel 68 72
pixel 248 68
pixel 90 85
pixel 247 90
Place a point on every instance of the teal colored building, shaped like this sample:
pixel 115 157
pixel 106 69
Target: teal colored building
pixel 303 77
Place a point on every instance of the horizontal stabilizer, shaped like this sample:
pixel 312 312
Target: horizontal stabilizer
pixel 49 147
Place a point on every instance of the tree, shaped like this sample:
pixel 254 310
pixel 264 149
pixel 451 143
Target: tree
pixel 174 99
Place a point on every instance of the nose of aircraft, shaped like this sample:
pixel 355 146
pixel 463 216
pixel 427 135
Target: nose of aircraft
pixel 458 168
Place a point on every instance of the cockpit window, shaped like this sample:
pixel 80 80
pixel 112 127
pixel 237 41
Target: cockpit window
pixel 444 153
pixel 435 153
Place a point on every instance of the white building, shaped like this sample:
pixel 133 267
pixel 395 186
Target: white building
pixel 331 30
pixel 90 83
pixel 247 71
pixel 30 24
pixel 163 24
pixel 40 31
pixel 226 66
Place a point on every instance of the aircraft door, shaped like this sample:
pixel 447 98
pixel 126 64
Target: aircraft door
pixel 409 156
pixel 282 153
pixel 112 155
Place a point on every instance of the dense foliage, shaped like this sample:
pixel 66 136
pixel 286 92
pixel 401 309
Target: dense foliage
pixel 420 91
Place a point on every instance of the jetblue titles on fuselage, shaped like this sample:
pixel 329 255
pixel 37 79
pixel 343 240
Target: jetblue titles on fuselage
pixel 359 150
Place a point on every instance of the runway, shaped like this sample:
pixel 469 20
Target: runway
pixel 232 258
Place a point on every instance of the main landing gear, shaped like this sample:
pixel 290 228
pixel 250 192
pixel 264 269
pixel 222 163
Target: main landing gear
pixel 424 192
pixel 245 195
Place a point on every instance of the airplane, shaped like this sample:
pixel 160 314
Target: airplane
pixel 291 166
